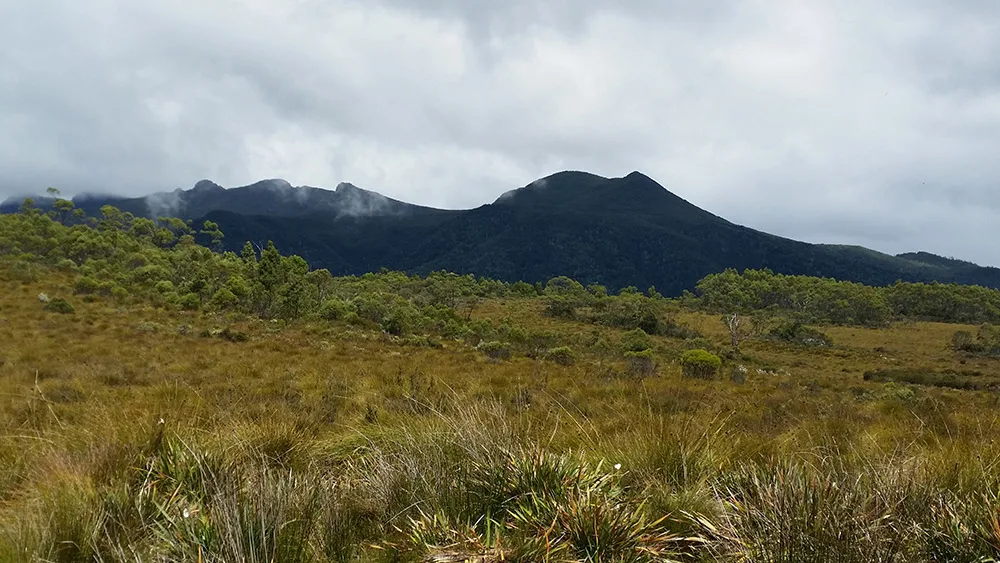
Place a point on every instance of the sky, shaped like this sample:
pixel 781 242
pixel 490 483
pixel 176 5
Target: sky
pixel 840 121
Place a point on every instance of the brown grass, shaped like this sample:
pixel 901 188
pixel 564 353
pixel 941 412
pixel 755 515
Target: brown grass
pixel 80 394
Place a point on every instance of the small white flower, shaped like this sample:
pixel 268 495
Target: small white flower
pixel 187 514
pixel 160 421
pixel 618 466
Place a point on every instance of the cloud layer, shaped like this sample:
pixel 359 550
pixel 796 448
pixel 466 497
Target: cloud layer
pixel 829 121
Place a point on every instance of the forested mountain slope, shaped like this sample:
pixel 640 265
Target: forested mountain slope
pixel 613 231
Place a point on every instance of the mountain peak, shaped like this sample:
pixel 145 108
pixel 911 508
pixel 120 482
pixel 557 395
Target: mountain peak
pixel 635 193
pixel 207 186
pixel 635 175
pixel 271 184
pixel 347 187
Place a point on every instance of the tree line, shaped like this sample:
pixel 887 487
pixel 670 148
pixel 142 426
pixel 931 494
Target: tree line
pixel 828 301
pixel 174 263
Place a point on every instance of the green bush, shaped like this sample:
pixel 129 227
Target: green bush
pixel 86 285
pixel 636 341
pixel 523 289
pixel 700 364
pixel 986 341
pixel 189 302
pixel 59 305
pixel 674 329
pixel 563 355
pixel 563 285
pixel 396 323
pixel 561 307
pixel 798 333
pixel 233 335
pixel 963 341
pixel 164 286
pixel 119 293
pixel 66 265
pixel 105 287
pixel 334 309
pixel 640 364
pixel 495 350
pixel 392 313
pixel 969 380
pixel 224 299
pixel 631 312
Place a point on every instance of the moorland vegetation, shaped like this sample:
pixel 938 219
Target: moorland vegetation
pixel 166 401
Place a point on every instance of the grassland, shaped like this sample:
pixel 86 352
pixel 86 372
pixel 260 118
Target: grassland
pixel 137 433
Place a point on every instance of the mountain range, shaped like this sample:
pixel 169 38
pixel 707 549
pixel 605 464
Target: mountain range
pixel 613 231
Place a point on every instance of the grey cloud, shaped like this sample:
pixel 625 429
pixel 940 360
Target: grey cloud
pixel 165 204
pixel 866 123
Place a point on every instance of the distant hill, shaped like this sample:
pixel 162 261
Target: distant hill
pixel 614 231
pixel 274 198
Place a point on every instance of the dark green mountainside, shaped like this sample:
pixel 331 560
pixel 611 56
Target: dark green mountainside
pixel 617 232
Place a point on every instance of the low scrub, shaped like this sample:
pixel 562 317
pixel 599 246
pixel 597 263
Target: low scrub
pixel 986 341
pixel 967 380
pixel 797 333
pixel 562 355
pixel 640 364
pixel 495 350
pixel 59 305
pixel 700 364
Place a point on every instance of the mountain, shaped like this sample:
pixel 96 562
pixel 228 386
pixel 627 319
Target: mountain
pixel 275 198
pixel 614 231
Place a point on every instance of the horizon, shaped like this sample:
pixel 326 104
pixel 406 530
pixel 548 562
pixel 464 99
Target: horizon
pixel 10 200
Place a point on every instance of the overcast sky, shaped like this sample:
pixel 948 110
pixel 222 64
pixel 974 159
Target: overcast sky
pixel 874 123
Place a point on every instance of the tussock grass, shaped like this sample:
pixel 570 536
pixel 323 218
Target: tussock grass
pixel 316 441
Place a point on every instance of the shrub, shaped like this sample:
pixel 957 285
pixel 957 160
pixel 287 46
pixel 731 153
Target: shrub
pixel 119 293
pixel 798 333
pixel 66 265
pixel 523 289
pixel 86 285
pixel 189 302
pixel 739 374
pixel 106 287
pixel 224 299
pixel 59 305
pixel 674 329
pixel 962 341
pixel 631 312
pixel 700 364
pixel 561 307
pixel 495 350
pixel 539 340
pixel 970 381
pixel 392 313
pixel 563 285
pixel 640 364
pixel 334 309
pixel 636 341
pixel 164 286
pixel 563 355
pixel 986 341
pixel 233 335
pixel 396 323
pixel 22 271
